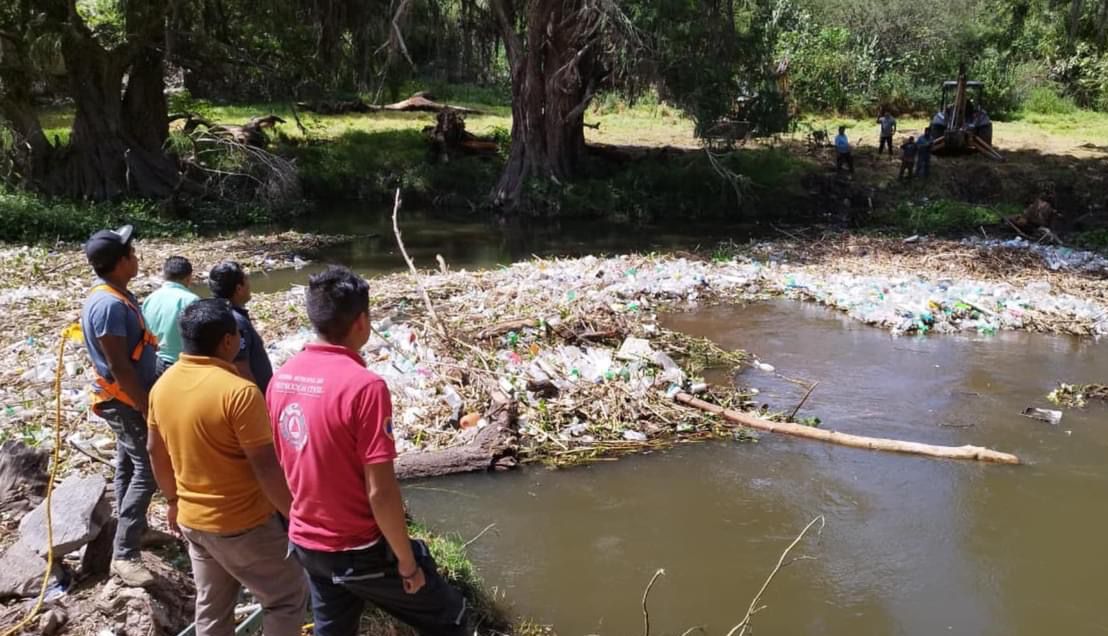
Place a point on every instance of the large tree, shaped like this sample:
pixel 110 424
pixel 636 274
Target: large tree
pixel 560 53
pixel 116 144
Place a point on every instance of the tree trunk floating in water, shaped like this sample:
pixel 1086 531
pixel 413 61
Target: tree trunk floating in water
pixel 855 441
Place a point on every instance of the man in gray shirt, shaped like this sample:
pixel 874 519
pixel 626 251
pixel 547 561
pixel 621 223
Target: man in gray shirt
pixel 888 129
pixel 123 354
pixel 229 282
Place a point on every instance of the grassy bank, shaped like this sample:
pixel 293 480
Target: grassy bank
pixel 26 218
pixel 650 167
pixel 487 615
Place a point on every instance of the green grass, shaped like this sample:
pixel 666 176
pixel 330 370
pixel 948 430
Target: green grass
pixel 454 564
pixel 943 216
pixel 1082 125
pixel 1092 239
pixel 1044 100
pixel 26 218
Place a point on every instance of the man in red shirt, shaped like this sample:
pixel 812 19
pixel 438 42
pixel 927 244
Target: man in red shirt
pixel 332 429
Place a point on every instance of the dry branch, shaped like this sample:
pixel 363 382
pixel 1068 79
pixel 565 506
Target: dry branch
pixel 854 441
pixel 754 608
pixel 645 596
pixel 411 266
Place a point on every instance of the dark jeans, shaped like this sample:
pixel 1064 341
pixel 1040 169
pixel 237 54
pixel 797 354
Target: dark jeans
pixel 906 167
pixel 341 583
pixel 844 159
pixel 134 476
pixel 923 164
pixel 886 141
pixel 160 367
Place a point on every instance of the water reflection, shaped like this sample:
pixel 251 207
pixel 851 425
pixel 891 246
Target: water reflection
pixel 471 242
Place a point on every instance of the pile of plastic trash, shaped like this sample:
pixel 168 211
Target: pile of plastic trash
pixel 570 388
pixel 913 304
pixel 1055 257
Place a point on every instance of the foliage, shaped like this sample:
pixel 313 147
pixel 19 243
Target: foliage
pixel 449 552
pixel 1093 239
pixel 1045 100
pixel 943 216
pixel 26 218
pixel 850 56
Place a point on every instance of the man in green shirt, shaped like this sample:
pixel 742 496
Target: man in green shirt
pixel 162 309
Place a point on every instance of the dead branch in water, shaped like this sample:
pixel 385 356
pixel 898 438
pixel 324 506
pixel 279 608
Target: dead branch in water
pixel 754 608
pixel 804 399
pixel 854 441
pixel 479 535
pixel 645 595
pixel 415 272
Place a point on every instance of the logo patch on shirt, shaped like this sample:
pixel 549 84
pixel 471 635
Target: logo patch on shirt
pixel 388 429
pixel 294 426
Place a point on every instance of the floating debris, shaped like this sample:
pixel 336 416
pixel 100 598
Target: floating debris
pixel 1043 415
pixel 1077 395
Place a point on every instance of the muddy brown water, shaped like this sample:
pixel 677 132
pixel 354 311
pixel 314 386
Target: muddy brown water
pixel 911 546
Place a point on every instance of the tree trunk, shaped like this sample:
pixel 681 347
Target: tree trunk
pixel 492 448
pixel 117 144
pixel 552 83
pixel 30 151
pixel 117 141
pixel 1074 20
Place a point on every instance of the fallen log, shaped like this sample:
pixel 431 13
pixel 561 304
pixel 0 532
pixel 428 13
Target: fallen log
pixel 501 328
pixel 420 103
pixel 854 441
pixel 493 448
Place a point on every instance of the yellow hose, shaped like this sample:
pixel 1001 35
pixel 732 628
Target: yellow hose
pixel 55 462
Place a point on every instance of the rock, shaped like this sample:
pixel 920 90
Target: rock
pixel 166 607
pixel 74 508
pixel 52 622
pixel 22 476
pixel 21 570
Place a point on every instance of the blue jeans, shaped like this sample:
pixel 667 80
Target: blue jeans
pixel 134 476
pixel 923 164
pixel 342 582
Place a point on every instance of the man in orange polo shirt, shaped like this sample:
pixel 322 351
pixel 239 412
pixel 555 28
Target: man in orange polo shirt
pixel 212 450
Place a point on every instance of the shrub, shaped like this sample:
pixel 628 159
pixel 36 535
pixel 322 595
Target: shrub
pixel 1045 100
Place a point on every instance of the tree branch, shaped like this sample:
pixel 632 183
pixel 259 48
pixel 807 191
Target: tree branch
pixel 744 625
pixel 505 16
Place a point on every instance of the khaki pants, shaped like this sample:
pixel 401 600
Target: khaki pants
pixel 257 559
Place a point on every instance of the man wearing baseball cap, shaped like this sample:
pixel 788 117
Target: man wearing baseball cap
pixel 123 354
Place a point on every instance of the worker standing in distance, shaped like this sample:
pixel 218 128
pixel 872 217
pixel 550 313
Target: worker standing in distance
pixel 888 129
pixel 923 154
pixel 214 461
pixel 123 354
pixel 907 158
pixel 229 282
pixel 162 308
pixel 982 126
pixel 938 125
pixel 332 428
pixel 842 151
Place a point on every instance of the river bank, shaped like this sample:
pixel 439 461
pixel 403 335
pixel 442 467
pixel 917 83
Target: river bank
pixel 576 342
pixel 578 346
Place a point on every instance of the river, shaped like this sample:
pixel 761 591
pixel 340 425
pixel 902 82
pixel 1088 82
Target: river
pixel 911 545
pixel 477 242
